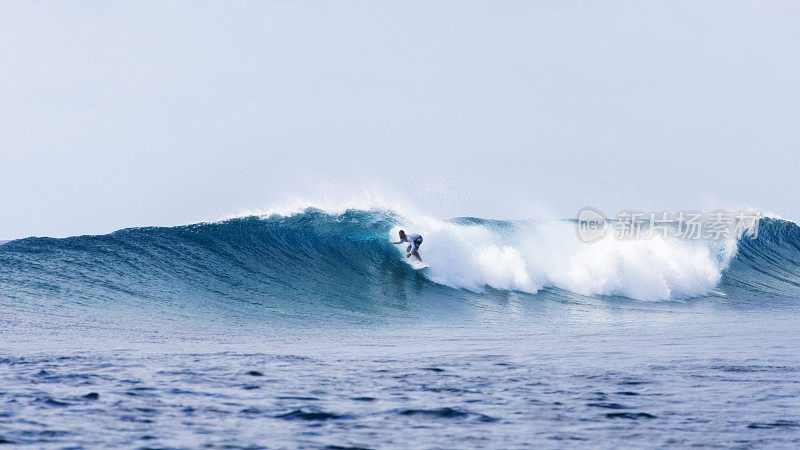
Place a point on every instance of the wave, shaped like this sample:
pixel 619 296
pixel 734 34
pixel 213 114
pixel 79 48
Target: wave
pixel 313 257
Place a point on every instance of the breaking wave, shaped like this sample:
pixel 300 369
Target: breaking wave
pixel 313 256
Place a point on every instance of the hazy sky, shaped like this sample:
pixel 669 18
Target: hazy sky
pixel 116 114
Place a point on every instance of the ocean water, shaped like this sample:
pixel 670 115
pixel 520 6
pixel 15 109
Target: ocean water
pixel 310 330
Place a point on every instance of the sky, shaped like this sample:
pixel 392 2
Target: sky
pixel 130 113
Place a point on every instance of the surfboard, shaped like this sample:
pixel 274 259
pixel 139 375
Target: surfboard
pixel 417 265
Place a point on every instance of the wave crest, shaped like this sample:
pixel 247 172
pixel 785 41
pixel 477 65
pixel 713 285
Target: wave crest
pixel 313 256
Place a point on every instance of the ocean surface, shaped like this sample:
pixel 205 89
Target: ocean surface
pixel 310 330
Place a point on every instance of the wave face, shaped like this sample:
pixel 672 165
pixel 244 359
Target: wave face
pixel 299 263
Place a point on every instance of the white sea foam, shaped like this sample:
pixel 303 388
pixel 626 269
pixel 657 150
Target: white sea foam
pixel 530 256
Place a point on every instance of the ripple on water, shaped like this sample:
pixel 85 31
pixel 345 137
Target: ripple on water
pixel 775 424
pixel 300 414
pixel 607 405
pixel 630 415
pixel 446 413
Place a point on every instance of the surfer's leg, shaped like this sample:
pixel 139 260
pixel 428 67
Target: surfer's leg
pixel 414 251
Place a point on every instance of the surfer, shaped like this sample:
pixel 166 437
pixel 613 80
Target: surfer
pixel 414 241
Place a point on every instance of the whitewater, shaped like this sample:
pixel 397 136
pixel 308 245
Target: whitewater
pixel 308 328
